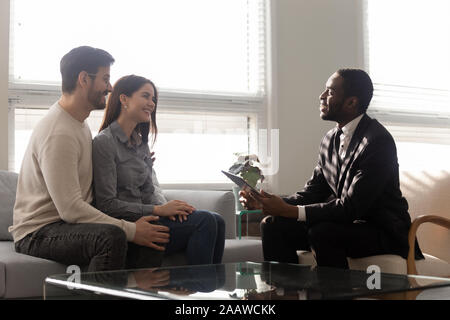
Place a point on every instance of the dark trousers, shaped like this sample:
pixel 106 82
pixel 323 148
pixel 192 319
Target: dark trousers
pixel 201 236
pixel 331 242
pixel 97 247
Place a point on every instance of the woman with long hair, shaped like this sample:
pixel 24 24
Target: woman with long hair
pixel 126 186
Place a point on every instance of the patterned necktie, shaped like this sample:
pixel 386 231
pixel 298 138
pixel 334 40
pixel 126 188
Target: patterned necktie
pixel 337 145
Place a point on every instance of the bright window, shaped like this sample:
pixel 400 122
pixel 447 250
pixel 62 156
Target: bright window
pixel 207 58
pixel 190 148
pixel 407 47
pixel 195 45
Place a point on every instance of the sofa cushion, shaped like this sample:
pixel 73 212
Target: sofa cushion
pixel 2 279
pixel 24 275
pixel 8 186
pixel 243 250
pixel 236 251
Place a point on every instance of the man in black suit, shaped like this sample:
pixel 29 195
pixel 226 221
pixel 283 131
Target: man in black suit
pixel 352 206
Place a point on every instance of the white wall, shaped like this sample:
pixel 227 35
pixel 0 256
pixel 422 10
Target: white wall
pixel 311 40
pixel 4 63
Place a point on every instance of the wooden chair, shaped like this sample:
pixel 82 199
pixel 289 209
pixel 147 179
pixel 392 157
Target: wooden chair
pixel 411 262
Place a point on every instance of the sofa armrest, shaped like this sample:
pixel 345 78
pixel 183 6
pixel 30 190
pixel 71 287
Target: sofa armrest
pixel 2 279
pixel 221 202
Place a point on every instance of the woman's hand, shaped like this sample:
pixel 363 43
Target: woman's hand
pixel 173 208
pixel 180 218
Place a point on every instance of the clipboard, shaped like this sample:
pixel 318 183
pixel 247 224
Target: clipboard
pixel 240 182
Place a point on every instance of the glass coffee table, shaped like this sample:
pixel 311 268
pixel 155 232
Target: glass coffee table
pixel 242 281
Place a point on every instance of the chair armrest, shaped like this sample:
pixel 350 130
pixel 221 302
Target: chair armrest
pixel 411 261
pixel 221 202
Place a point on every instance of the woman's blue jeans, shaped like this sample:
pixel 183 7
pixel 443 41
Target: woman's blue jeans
pixel 201 236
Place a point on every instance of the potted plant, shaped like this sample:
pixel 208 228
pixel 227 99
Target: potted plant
pixel 247 167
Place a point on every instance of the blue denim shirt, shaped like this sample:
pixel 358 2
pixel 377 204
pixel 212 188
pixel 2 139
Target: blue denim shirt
pixel 125 183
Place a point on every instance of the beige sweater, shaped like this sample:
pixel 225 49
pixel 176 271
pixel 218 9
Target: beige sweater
pixel 55 181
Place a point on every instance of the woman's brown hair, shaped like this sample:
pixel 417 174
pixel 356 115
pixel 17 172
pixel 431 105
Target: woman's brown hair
pixel 128 85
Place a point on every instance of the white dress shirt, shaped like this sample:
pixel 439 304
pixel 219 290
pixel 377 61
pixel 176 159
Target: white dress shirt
pixel 346 136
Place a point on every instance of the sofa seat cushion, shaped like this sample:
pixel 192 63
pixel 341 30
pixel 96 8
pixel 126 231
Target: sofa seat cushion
pixel 235 251
pixel 2 279
pixel 389 263
pixel 22 276
pixel 243 250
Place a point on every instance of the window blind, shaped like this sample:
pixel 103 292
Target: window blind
pixel 407 45
pixel 207 58
pixel 199 46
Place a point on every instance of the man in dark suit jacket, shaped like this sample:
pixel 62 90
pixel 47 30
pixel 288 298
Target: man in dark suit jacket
pixel 352 206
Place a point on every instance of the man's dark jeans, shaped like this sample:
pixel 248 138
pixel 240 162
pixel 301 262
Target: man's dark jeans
pixel 99 247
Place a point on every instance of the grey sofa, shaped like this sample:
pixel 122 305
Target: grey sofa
pixel 22 276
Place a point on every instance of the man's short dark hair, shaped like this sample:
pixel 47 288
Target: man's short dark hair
pixel 79 59
pixel 357 83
